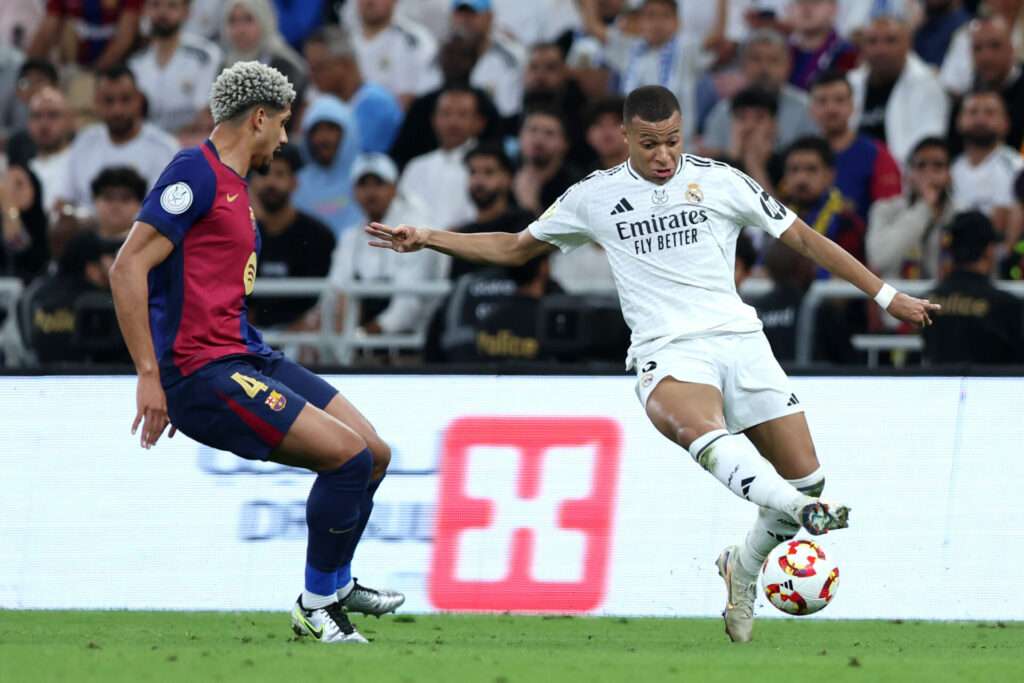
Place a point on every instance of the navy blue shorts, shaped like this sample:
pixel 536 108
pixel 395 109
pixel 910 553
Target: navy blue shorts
pixel 245 403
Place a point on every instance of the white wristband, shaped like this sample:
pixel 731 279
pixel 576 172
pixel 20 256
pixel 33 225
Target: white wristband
pixel 885 295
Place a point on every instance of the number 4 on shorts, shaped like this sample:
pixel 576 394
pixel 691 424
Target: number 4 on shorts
pixel 249 385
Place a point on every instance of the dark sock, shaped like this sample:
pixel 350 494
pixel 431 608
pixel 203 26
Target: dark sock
pixel 365 508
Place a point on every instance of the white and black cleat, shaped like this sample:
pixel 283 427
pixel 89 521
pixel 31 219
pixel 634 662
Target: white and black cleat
pixel 327 624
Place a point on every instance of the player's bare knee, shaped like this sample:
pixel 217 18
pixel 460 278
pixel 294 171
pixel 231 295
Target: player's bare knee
pixel 686 434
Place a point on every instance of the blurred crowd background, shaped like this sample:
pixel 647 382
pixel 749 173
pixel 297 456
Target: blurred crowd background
pixel 894 127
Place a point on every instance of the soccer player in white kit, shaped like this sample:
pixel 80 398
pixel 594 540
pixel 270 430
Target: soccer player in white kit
pixel 705 372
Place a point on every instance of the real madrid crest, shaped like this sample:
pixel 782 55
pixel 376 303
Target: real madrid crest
pixel 660 197
pixel 694 194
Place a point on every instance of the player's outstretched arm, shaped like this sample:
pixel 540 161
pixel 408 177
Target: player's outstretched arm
pixel 145 248
pixel 838 261
pixel 493 248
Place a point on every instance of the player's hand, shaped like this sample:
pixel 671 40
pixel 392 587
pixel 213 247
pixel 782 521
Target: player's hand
pixel 911 310
pixel 151 411
pixel 401 238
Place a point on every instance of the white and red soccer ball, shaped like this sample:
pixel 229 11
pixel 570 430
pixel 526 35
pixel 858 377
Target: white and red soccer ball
pixel 799 577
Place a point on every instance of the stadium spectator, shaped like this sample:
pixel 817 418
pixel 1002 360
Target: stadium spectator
pixel 535 22
pixel 335 70
pixel 746 259
pixel 754 126
pixel 354 260
pixel 942 18
pixel 103 32
pixel 585 53
pixel 543 173
pixel 24 247
pixel 904 238
pixel 490 174
pixel 983 175
pixel 957 73
pixel 814 45
pixel 603 131
pixel 897 97
pixel 394 52
pixel 456 59
pixel 68 315
pixel 441 175
pixel 13 112
pixel 811 193
pixel 33 76
pixel 117 194
pixel 548 85
pixel 122 139
pixel 996 68
pixel 50 131
pixel 297 19
pixel 660 55
pixel 765 63
pixel 865 170
pixel 977 322
pixel 177 70
pixel 249 32
pixel 498 61
pixel 510 330
pixel 204 18
pixel 18 22
pixel 331 145
pixel 294 244
pixel 779 309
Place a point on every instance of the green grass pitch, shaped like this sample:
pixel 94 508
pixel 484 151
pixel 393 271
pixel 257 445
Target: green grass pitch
pixel 259 646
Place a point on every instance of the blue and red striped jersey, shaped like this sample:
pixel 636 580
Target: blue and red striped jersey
pixel 198 295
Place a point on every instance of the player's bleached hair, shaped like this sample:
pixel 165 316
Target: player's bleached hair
pixel 245 85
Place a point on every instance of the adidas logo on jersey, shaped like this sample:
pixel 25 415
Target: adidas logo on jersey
pixel 622 207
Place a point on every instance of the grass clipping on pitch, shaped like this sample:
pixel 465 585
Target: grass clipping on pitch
pixel 259 646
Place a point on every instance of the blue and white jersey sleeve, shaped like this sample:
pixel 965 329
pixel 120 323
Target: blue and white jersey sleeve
pixel 566 223
pixel 755 207
pixel 181 197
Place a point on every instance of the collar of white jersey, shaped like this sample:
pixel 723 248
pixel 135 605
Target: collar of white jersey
pixel 679 169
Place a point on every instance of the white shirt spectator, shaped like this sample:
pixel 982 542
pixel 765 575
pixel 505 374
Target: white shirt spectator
pixel 917 107
pixel 354 260
pixel 791 120
pixel 442 176
pixel 204 18
pixel 537 21
pixel 433 15
pixel 51 171
pixel 397 58
pixel 499 72
pixel 957 72
pixel 177 91
pixel 93 150
pixel 989 185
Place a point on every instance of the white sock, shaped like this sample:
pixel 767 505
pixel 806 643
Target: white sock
pixel 772 527
pixel 314 601
pixel 346 589
pixel 745 472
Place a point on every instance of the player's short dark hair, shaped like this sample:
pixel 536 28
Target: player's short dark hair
pixel 39 65
pixel 651 103
pixel 119 176
pixel 462 89
pixel 493 150
pixel 755 97
pixel 550 112
pixel 930 142
pixel 115 72
pixel 609 104
pixel 671 3
pixel 829 77
pixel 746 252
pixel 816 144
pixel 289 154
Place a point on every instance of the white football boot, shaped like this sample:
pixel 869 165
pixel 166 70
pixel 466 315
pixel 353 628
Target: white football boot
pixel 372 602
pixel 327 624
pixel 741 590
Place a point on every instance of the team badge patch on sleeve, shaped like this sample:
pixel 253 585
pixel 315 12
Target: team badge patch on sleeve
pixel 176 198
pixel 276 402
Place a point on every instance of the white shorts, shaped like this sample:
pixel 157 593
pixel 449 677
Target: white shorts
pixel 754 387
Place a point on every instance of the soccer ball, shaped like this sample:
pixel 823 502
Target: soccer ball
pixel 799 577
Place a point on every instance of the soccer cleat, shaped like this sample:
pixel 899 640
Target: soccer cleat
pixel 821 516
pixel 372 602
pixel 741 591
pixel 327 624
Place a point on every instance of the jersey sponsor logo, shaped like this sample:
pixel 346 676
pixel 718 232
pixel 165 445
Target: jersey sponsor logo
pixel 232 197
pixel 660 197
pixel 694 193
pixel 275 401
pixel 550 211
pixel 539 493
pixel 249 275
pixel 176 198
pixel 622 207
pixel 664 223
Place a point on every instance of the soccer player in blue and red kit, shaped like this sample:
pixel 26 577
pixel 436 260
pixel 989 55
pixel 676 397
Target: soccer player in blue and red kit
pixel 180 285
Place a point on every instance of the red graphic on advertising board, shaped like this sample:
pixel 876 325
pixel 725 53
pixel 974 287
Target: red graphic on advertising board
pixel 459 512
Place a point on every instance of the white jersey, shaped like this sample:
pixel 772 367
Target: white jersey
pixel 672 247
pixel 398 58
pixel 177 91
pixel 989 185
